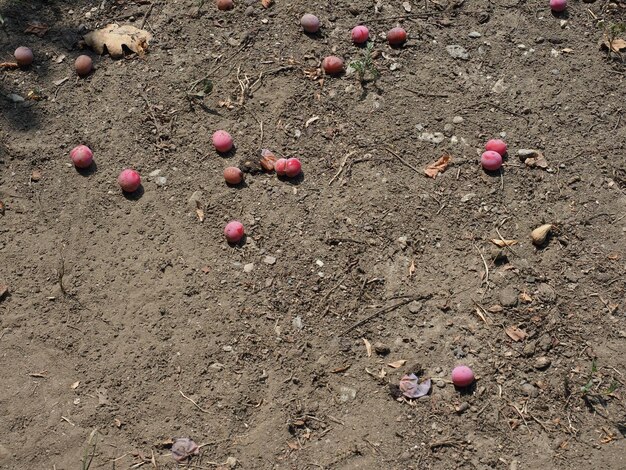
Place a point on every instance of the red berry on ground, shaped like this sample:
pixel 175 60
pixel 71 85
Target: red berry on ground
pixel 360 34
pixel 332 65
pixel 462 376
pixel 310 23
pixel 497 145
pixel 222 141
pixel 81 156
pixel 234 231
pixel 293 167
pixel 491 161
pixel 233 175
pixel 129 180
pixel 281 166
pixel 396 36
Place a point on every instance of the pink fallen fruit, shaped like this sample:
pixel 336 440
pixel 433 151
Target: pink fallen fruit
pixel 396 36
pixel 497 145
pixel 462 376
pixel 332 65
pixel 225 5
pixel 281 166
pixel 233 231
pixel 360 34
pixel 129 180
pixel 81 156
pixel 222 141
pixel 558 5
pixel 491 161
pixel 23 56
pixel 310 23
pixel 233 175
pixel 293 167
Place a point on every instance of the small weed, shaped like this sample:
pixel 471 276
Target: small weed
pixel 365 69
pixel 593 376
pixel 612 32
pixel 90 450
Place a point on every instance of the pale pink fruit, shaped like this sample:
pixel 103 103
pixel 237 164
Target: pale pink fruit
pixel 225 5
pixel 23 56
pixel 558 5
pixel 81 156
pixel 360 34
pixel 233 175
pixel 310 23
pixel 129 180
pixel 491 161
pixel 332 65
pixel 396 36
pixel 222 141
pixel 497 145
pixel 281 166
pixel 293 167
pixel 83 65
pixel 233 231
pixel 462 376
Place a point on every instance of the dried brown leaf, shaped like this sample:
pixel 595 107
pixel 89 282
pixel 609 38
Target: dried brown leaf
pixel 61 81
pixel 267 160
pixel 439 166
pixel 503 243
pixel 293 445
pixel 75 385
pixel 37 28
pixel 412 268
pixel 114 38
pixel 515 333
pixel 538 161
pixel 4 289
pixel 525 298
pixel 118 423
pixel 341 369
pixel 616 45
pixel 9 65
pixel 200 214
pixel 2 207
pixel 368 347
pixel 495 309
pixel 396 364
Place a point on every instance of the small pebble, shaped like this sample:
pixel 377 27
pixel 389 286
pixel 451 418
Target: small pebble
pixel 248 267
pixel 542 362
pixel 474 35
pixel 381 348
pixel 457 119
pixel 440 383
pixel 529 349
pixel 269 260
pixel 462 407
pixel 530 390
pixel 509 296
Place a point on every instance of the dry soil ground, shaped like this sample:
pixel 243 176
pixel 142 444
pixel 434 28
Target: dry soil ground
pixel 131 317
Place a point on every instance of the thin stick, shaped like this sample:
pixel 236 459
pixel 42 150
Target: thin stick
pixel 405 163
pixel 343 164
pixel 145 17
pixel 195 404
pixel 485 263
pixel 419 93
pixel 383 311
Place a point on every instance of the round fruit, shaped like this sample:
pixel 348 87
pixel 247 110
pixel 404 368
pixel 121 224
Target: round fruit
pixel 490 160
pixel 23 56
pixel 82 156
pixel 293 167
pixel 281 166
pixel 462 376
pixel 310 23
pixel 558 5
pixel 129 180
pixel 83 65
pixel 233 231
pixel 222 141
pixel 360 34
pixel 497 145
pixel 233 175
pixel 332 65
pixel 396 36
pixel 225 5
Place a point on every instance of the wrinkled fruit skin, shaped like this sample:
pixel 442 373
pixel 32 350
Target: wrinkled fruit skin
pixel 360 34
pixel 281 166
pixel 396 36
pixel 83 65
pixel 491 161
pixel 462 376
pixel 332 65
pixel 225 5
pixel 81 156
pixel 558 5
pixel 497 145
pixel 233 175
pixel 23 56
pixel 310 23
pixel 293 167
pixel 233 231
pixel 129 180
pixel 222 141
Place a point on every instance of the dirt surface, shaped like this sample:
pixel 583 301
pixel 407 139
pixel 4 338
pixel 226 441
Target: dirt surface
pixel 131 317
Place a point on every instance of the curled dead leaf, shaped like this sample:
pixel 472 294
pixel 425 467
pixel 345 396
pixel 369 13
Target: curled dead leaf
pixel 35 176
pixel 36 28
pixel 184 448
pixel 615 45
pixel 114 38
pixel 439 166
pixel 368 347
pixel 75 385
pixel 525 298
pixel 503 243
pixel 341 369
pixel 411 387
pixel 267 160
pixel 515 333
pixel 412 268
pixel 9 65
pixel 537 161
pixel 396 364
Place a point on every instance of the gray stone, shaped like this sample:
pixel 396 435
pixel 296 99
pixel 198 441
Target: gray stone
pixel 457 119
pixel 542 362
pixel 415 307
pixel 529 349
pixel 509 296
pixel 248 268
pixel 474 35
pixel 530 390
pixel 297 323
pixel 269 260
pixel 160 180
pixel 440 383
pixel 457 52
pixel 546 293
pixel 346 394
pixel 381 348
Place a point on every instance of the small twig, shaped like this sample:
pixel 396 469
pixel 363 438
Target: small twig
pixel 195 404
pixel 63 418
pixel 405 163
pixel 145 16
pixel 486 267
pixel 431 95
pixel 343 164
pixel 385 310
pixel 333 289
